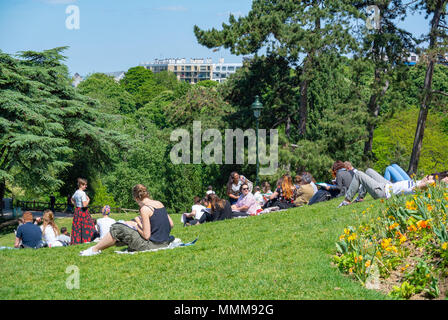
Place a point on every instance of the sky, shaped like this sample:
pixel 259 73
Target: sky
pixel 115 35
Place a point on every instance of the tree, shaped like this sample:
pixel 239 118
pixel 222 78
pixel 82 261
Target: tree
pixel 44 123
pixel 437 46
pixel 290 29
pixel 113 98
pixel 387 47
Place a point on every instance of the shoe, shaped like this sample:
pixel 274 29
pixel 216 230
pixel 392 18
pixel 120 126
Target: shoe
pixel 343 203
pixel 358 199
pixel 89 252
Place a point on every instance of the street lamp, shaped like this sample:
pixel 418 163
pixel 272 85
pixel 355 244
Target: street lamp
pixel 257 107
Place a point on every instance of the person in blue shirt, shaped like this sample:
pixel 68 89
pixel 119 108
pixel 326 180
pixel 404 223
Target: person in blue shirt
pixel 28 233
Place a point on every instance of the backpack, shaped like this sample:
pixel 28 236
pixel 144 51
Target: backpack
pixel 321 195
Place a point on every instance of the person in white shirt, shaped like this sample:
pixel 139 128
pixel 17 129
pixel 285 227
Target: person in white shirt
pixel 209 191
pixel 50 230
pixel 64 237
pixel 258 196
pixel 197 210
pixel 105 222
pixel 83 226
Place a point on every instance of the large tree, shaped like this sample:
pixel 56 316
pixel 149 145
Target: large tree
pixel 45 125
pixel 437 47
pixel 296 30
pixel 387 46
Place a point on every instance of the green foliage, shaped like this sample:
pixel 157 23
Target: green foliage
pixel 113 98
pixel 394 138
pixel 102 197
pixel 47 128
pixel 208 83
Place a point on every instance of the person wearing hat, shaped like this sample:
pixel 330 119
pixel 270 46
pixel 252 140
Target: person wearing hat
pixel 105 222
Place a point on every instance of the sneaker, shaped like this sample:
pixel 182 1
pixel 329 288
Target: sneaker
pixel 343 203
pixel 358 199
pixel 89 252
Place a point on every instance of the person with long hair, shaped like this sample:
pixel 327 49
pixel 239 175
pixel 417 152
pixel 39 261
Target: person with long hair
pixel 343 179
pixel 83 226
pixel 220 209
pixel 150 230
pixel 234 186
pixel 284 195
pixel 50 230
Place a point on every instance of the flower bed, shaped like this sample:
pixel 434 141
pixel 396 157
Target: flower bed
pixel 400 246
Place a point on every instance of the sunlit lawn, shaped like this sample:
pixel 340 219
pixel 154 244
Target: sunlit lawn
pixel 281 255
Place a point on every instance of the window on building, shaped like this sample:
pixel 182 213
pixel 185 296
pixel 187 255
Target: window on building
pixel 231 69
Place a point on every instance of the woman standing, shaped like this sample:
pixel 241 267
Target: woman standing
pixel 83 226
pixel 150 230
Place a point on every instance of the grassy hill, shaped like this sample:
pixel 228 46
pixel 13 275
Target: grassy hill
pixel 280 255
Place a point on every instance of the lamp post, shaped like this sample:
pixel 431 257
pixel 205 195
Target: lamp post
pixel 257 107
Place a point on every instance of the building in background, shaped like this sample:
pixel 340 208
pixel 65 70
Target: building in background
pixel 118 75
pixel 76 80
pixel 194 70
pixel 221 70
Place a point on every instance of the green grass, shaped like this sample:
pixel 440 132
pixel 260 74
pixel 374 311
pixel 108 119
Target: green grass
pixel 281 255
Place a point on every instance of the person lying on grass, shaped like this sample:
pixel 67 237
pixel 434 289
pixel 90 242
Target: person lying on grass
pixel 378 187
pixel 150 230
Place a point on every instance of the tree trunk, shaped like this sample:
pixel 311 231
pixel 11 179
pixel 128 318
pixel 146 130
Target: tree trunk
pixel 307 69
pixel 2 194
pixel 374 110
pixel 303 113
pixel 424 107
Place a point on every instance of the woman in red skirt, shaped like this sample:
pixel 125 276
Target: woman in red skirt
pixel 83 226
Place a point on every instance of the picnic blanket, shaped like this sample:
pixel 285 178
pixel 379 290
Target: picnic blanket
pixel 176 243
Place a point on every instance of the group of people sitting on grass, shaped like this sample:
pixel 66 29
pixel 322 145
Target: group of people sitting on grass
pixel 246 200
pixel 152 227
pixel 44 232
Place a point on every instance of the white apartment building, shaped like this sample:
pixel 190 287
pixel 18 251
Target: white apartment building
pixel 195 69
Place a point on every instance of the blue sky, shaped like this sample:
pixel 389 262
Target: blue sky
pixel 115 35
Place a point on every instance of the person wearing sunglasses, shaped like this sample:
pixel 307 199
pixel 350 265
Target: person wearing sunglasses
pixel 246 203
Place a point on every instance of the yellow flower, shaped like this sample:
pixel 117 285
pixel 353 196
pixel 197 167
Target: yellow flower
pixel 378 254
pixel 402 238
pixel 423 224
pixel 393 226
pixel 342 237
pixel 346 231
pixel 412 228
pixel 367 263
pixel 411 205
pixel 430 207
pixel 445 245
pixel 429 195
pixel 350 270
pixel 386 243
